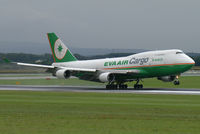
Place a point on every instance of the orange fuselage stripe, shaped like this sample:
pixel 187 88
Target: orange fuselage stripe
pixel 51 49
pixel 149 66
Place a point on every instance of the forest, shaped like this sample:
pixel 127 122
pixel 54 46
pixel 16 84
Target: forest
pixel 47 59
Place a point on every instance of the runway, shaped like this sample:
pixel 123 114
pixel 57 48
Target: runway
pixel 101 89
pixel 12 76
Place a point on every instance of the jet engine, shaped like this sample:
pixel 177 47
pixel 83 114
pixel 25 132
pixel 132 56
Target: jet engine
pixel 106 77
pixel 167 78
pixel 63 74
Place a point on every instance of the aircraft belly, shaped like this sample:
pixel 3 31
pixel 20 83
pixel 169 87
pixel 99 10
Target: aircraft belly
pixel 157 71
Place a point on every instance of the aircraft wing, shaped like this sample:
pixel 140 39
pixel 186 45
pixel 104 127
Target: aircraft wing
pixel 34 65
pixel 28 64
pixel 49 67
pixel 52 67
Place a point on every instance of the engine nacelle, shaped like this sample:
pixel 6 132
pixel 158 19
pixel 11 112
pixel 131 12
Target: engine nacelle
pixel 106 77
pixel 167 78
pixel 63 74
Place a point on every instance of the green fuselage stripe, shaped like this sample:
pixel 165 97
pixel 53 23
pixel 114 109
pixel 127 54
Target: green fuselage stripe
pixel 157 70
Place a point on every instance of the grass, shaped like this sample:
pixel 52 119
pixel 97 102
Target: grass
pixel 186 82
pixel 72 81
pixel 25 75
pixel 23 112
pixel 196 67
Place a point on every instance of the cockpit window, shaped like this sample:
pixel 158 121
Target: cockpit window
pixel 179 52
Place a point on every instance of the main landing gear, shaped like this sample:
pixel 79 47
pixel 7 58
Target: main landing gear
pixel 137 85
pixel 111 86
pixel 116 86
pixel 176 81
pixel 121 85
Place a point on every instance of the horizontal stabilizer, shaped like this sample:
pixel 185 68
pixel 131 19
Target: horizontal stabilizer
pixel 6 60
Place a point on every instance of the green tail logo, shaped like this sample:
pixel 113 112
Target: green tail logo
pixel 60 52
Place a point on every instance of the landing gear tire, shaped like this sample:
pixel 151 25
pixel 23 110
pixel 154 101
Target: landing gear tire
pixel 114 86
pixel 111 86
pixel 138 86
pixel 123 86
pixel 176 82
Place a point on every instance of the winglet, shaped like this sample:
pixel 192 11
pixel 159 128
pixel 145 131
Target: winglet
pixel 6 60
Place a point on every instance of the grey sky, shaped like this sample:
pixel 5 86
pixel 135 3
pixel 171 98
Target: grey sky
pixel 148 24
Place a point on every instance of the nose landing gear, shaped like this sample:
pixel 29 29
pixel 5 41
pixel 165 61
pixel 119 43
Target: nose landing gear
pixel 176 81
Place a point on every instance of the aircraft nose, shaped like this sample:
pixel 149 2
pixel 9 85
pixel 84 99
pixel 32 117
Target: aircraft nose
pixel 190 60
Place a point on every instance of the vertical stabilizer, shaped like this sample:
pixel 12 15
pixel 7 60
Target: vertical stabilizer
pixel 59 51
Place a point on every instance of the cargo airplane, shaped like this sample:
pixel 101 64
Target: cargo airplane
pixel 166 65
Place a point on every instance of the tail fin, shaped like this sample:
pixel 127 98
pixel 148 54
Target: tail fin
pixel 60 52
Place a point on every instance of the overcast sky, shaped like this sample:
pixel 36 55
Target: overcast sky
pixel 146 24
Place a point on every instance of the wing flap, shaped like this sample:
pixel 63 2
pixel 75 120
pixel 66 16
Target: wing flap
pixel 52 67
pixel 79 69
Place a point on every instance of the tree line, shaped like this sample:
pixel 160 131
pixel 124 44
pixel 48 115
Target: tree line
pixel 47 59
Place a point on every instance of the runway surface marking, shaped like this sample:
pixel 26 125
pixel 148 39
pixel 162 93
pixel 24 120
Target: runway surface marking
pixel 102 89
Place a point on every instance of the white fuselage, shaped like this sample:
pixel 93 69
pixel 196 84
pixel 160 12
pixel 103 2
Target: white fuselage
pixel 150 58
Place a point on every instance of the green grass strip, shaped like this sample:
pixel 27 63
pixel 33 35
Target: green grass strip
pixel 27 112
pixel 186 82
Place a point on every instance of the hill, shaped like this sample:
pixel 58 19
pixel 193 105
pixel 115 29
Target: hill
pixel 41 48
pixel 47 58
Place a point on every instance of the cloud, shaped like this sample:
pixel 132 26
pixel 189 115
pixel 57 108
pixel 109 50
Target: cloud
pixel 107 23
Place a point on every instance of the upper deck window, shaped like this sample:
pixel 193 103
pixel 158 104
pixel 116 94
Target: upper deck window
pixel 179 52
